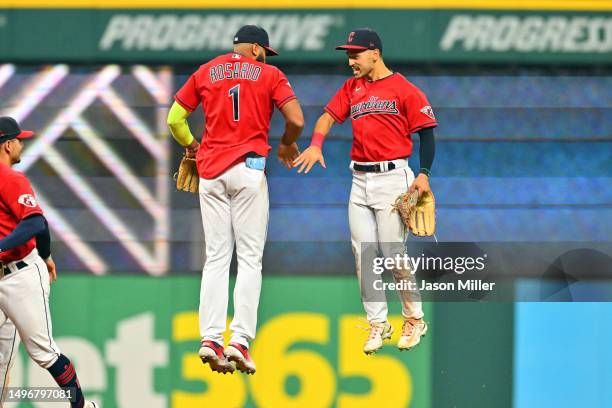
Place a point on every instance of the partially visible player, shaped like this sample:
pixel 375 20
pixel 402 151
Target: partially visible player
pixel 238 93
pixel 385 109
pixel 26 268
pixel 9 343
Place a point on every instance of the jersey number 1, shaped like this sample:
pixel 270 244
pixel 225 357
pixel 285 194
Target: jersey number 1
pixel 234 93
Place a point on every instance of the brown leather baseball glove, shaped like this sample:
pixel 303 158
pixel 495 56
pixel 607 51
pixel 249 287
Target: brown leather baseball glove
pixel 418 213
pixel 186 177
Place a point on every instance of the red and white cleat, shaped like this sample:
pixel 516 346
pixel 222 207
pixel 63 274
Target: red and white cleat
pixel 212 354
pixel 239 354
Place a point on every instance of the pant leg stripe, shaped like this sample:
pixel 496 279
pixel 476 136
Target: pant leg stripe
pixel 46 311
pixel 8 365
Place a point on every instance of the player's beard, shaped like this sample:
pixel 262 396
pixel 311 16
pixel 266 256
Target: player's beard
pixel 261 57
pixel 15 156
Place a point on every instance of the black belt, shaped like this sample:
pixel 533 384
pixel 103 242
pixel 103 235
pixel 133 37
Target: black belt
pixel 373 168
pixel 6 270
pixel 253 154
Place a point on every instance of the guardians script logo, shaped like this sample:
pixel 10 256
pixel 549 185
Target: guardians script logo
pixel 374 105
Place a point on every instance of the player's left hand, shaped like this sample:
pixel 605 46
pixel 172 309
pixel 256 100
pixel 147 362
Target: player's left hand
pixel 286 154
pixel 192 149
pixel 421 183
pixel 52 270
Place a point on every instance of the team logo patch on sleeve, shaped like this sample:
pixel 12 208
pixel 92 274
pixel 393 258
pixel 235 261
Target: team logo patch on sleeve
pixel 428 111
pixel 28 200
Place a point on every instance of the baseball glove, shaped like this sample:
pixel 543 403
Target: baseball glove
pixel 418 213
pixel 187 175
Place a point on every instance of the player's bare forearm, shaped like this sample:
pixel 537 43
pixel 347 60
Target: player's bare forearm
pixel 177 123
pixel 324 124
pixel 294 121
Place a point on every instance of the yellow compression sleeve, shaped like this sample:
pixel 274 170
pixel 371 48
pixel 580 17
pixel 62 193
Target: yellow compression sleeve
pixel 177 122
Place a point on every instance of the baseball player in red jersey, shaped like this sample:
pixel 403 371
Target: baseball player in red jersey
pixel 385 109
pixel 27 269
pixel 238 93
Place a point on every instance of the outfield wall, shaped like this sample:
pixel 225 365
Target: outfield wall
pixel 452 31
pixel 134 342
pixel 513 151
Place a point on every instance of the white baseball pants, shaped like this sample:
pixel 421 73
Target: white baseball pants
pixel 374 222
pixel 9 345
pixel 24 299
pixel 235 210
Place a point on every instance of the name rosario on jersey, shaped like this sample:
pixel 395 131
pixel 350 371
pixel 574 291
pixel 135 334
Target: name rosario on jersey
pixel 374 105
pixel 237 70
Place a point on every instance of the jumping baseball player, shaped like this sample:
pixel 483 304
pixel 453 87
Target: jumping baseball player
pixel 27 269
pixel 385 109
pixel 238 93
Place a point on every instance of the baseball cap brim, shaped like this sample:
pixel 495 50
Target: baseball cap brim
pixel 271 52
pixel 351 47
pixel 25 134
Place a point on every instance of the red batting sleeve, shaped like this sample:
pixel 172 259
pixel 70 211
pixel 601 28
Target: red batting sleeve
pixel 188 96
pixel 339 107
pixel 281 90
pixel 19 197
pixel 418 110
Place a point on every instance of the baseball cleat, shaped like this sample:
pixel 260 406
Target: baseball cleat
pixel 239 354
pixel 212 353
pixel 412 330
pixel 90 404
pixel 378 333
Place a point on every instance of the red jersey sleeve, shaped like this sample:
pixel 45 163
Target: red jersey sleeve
pixel 188 96
pixel 419 113
pixel 282 91
pixel 339 107
pixel 19 198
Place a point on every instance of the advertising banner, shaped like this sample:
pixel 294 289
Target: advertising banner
pixel 452 31
pixel 135 341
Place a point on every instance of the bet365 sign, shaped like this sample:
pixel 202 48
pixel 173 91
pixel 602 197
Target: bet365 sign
pixel 140 349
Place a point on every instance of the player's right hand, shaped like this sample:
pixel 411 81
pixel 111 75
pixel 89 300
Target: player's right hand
pixel 309 158
pixel 286 154
pixel 420 183
pixel 52 270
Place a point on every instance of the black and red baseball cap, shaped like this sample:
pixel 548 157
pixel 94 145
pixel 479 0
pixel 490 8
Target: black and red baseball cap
pixel 255 34
pixel 362 39
pixel 9 129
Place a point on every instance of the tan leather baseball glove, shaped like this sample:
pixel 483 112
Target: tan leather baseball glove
pixel 186 177
pixel 417 213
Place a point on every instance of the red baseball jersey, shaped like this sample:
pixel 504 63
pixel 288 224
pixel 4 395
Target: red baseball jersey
pixel 384 114
pixel 17 201
pixel 238 96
